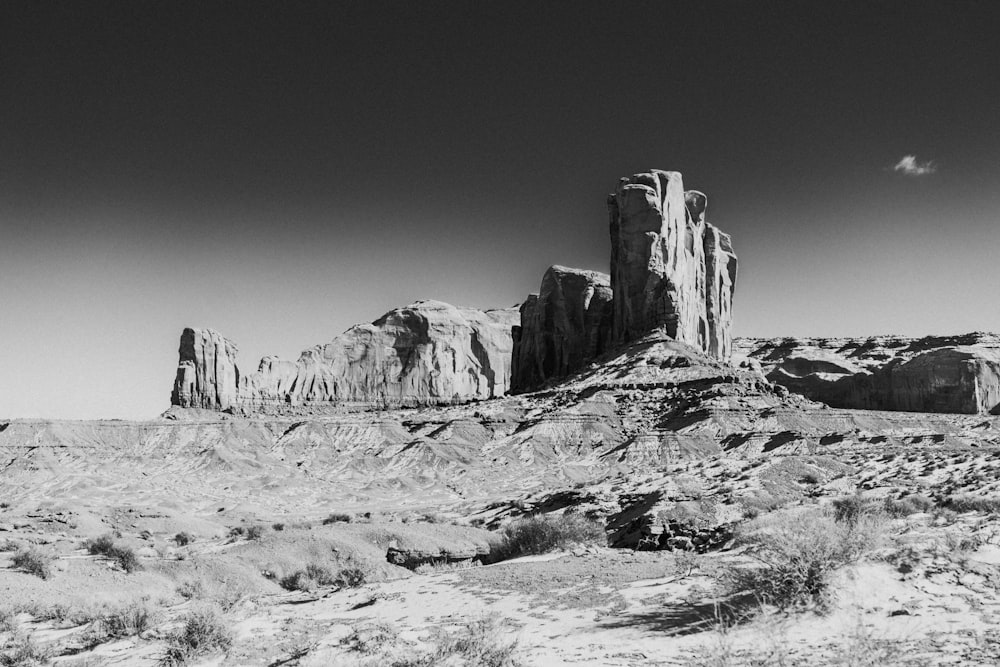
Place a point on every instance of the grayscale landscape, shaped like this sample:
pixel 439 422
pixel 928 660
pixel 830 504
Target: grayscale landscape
pixel 631 466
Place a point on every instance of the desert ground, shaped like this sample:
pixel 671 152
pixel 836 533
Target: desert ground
pixel 656 509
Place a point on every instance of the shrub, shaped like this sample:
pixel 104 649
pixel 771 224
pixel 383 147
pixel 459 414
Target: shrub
pixel 277 527
pixel 317 576
pixel 100 546
pixel 22 651
pixel 202 632
pixel 375 637
pixel 797 554
pixel 851 508
pixel 33 562
pixel 479 642
pixel 183 539
pixel 967 503
pixel 238 531
pixel 125 558
pixel 540 534
pixel 913 504
pixel 9 545
pixel 132 619
pixel 337 517
pixel 255 532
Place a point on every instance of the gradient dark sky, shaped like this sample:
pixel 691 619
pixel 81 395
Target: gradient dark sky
pixel 280 171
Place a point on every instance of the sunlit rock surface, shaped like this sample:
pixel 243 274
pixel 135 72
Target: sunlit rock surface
pixel 956 374
pixel 670 269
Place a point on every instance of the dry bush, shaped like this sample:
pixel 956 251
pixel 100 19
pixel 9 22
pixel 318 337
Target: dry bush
pixel 126 621
pixel 22 651
pixel 337 517
pixel 203 631
pixel 105 546
pixel 912 504
pixel 9 545
pixel 478 643
pixel 797 552
pixel 183 539
pixel 100 546
pixel 34 562
pixel 541 534
pixel 317 576
pixel 969 503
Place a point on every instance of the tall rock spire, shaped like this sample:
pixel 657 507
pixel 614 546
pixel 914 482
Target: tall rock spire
pixel 670 269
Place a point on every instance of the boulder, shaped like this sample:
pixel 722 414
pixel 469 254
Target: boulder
pixel 671 270
pixel 562 328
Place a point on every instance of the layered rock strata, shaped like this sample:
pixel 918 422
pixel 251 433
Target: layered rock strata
pixel 207 376
pixel 671 272
pixel 670 269
pixel 953 374
pixel 426 353
pixel 564 326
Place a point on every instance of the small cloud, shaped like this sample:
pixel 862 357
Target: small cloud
pixel 909 166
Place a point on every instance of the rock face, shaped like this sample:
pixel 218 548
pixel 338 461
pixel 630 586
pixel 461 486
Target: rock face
pixel 426 353
pixel 671 272
pixel 564 326
pixel 207 376
pixel 954 374
pixel 670 269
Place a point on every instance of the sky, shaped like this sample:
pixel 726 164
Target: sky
pixel 282 171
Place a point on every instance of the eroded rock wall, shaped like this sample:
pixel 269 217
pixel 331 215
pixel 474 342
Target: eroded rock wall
pixel 670 269
pixel 951 374
pixel 207 376
pixel 562 328
pixel 426 353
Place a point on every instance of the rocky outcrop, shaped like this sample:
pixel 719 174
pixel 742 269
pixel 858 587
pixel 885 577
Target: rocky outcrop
pixel 953 374
pixel 670 269
pixel 207 376
pixel 562 328
pixel 426 353
pixel 671 272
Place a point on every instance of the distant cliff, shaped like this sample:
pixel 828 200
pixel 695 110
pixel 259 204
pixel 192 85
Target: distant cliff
pixel 958 374
pixel 426 353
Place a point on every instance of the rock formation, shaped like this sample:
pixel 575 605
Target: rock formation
pixel 206 371
pixel 564 326
pixel 955 374
pixel 670 269
pixel 425 353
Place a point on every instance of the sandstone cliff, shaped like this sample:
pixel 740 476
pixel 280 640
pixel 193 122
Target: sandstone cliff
pixel 956 374
pixel 563 327
pixel 671 272
pixel 206 371
pixel 670 269
pixel 426 353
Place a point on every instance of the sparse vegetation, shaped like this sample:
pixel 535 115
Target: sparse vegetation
pixel 797 552
pixel 480 642
pixel 446 566
pixel 970 503
pixel 255 532
pixel 105 545
pixel 540 534
pixel 277 527
pixel 33 561
pixel 317 576
pixel 183 539
pixel 22 651
pixel 202 632
pixel 9 545
pixel 126 621
pixel 337 517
